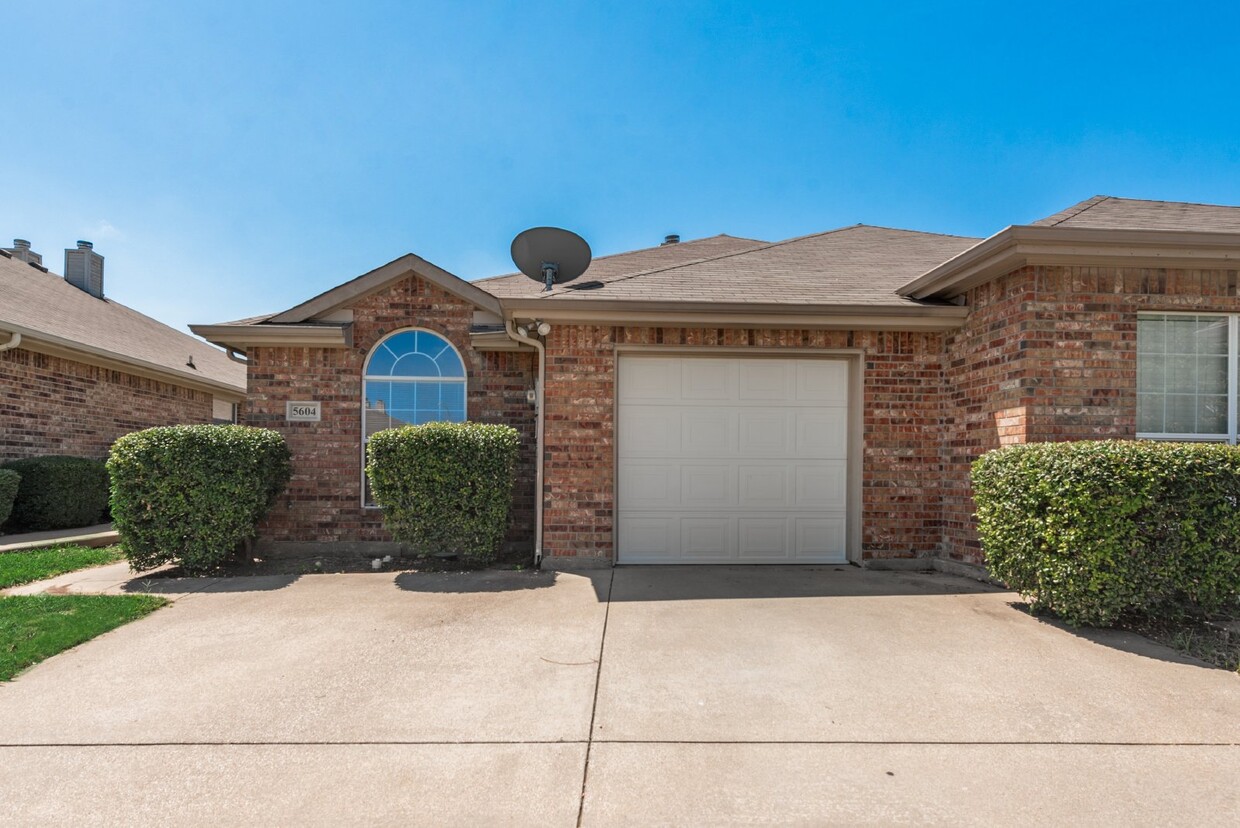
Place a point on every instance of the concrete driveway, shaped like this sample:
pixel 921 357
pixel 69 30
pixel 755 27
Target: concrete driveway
pixel 709 695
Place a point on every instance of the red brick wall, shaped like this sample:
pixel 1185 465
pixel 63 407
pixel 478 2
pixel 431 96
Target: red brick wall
pixel 323 501
pixel 902 420
pixel 53 405
pixel 1049 353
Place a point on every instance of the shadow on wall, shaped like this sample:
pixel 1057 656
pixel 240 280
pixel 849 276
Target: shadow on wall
pixel 699 583
pixel 483 581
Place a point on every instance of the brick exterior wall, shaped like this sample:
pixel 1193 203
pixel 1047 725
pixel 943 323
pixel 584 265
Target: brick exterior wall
pixel 53 405
pixel 902 421
pixel 323 500
pixel 1049 353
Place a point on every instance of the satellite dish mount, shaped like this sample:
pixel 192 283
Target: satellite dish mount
pixel 550 255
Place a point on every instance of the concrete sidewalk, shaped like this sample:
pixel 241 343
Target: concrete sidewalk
pixel 715 695
pixel 99 535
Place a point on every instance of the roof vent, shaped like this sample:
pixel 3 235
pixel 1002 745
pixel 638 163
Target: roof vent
pixel 21 250
pixel 84 269
pixel 670 238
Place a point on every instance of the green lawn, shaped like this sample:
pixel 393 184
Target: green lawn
pixel 34 627
pixel 23 567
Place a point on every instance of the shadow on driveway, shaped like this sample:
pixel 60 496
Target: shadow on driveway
pixel 698 583
pixel 186 586
pixel 484 581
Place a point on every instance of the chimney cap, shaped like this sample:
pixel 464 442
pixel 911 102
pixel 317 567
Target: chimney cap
pixel 85 245
pixel 671 238
pixel 21 244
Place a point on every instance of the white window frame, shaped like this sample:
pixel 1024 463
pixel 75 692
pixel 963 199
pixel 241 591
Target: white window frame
pixel 463 379
pixel 1233 373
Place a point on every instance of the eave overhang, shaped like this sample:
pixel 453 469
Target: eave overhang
pixel 1021 245
pixel 241 337
pixel 738 314
pixel 56 346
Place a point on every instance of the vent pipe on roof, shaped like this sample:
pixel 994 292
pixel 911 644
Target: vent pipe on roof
pixel 21 250
pixel 670 238
pixel 84 269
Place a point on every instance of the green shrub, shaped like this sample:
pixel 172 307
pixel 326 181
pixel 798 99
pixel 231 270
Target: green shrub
pixel 1094 531
pixel 9 481
pixel 58 492
pixel 445 488
pixel 192 494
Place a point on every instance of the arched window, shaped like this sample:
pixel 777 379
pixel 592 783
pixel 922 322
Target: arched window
pixel 412 377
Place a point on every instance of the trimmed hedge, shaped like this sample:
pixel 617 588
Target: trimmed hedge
pixel 193 494
pixel 9 481
pixel 58 492
pixel 1095 531
pixel 445 488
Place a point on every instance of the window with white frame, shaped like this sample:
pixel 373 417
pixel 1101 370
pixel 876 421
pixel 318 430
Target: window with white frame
pixel 1186 369
pixel 411 377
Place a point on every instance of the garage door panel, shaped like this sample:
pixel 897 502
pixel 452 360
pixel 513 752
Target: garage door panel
pixel 707 432
pixel 764 433
pixel 822 381
pixel 706 379
pixel 822 433
pixel 764 538
pixel 821 486
pixel 650 431
pixel 763 380
pixel 732 459
pixel 708 486
pixel 706 537
pixel 652 537
pixel 652 378
pixel 819 538
pixel 763 487
pixel 645 485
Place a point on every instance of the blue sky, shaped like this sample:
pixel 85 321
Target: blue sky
pixel 231 159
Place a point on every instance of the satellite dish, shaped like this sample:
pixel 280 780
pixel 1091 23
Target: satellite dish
pixel 550 255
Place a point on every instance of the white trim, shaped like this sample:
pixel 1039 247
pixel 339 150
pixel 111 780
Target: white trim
pixel 464 380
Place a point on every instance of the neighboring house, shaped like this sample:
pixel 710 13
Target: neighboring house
pixel 79 369
pixel 814 400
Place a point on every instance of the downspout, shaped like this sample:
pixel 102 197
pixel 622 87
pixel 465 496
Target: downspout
pixel 232 354
pixel 15 339
pixel 538 436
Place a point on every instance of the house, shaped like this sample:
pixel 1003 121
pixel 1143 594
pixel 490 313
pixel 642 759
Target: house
pixel 813 400
pixel 79 369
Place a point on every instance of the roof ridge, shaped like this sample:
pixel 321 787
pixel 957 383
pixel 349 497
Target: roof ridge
pixel 747 251
pixel 714 258
pixel 629 252
pixel 1071 212
pixel 1169 201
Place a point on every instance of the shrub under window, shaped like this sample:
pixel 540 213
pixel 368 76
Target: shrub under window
pixel 445 488
pixel 192 494
pixel 9 481
pixel 1097 530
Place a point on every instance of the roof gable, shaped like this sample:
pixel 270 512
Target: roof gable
pixel 376 280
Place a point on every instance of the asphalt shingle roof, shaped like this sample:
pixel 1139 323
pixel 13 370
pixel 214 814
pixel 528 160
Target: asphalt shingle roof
pixel 858 265
pixel 1114 213
pixel 44 303
pixel 607 269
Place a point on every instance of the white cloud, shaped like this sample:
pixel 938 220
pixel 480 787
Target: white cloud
pixel 103 230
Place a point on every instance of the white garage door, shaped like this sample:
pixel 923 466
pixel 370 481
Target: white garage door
pixel 731 460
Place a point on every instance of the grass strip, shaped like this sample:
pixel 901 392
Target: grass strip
pixel 18 568
pixel 34 627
